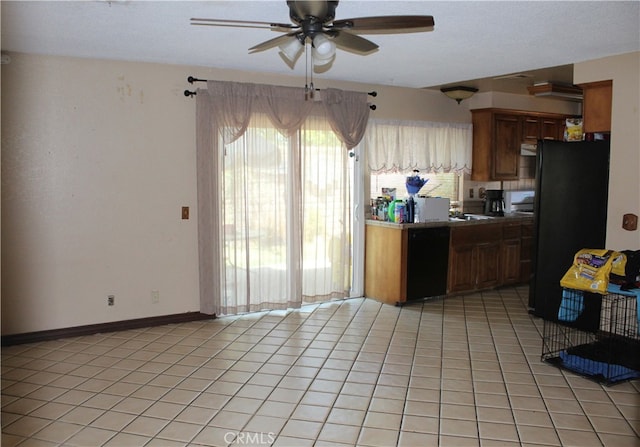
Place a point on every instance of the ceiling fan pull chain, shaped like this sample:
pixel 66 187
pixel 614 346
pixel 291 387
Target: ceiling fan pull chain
pixel 308 93
pixel 312 89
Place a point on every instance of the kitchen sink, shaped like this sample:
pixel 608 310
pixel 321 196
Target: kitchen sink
pixel 467 217
pixel 477 217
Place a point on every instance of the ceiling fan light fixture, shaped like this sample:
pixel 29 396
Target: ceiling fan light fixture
pixel 322 61
pixel 323 47
pixel 459 92
pixel 291 49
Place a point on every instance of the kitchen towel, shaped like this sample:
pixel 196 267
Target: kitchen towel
pixel 615 288
pixel 571 306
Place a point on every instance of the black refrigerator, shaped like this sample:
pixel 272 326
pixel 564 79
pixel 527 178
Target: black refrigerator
pixel 572 184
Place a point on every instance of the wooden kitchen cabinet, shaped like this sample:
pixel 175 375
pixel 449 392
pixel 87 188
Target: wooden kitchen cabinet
pixel 530 129
pixel 385 264
pixel 526 250
pixel 511 253
pixel 496 145
pixel 596 106
pixel 474 257
pixel 463 268
pixel 536 128
pixel 498 135
pixel 415 261
pixel 489 261
pixel 489 255
pixel 506 150
pixel 552 128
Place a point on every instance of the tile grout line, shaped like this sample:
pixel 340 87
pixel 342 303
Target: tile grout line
pixel 395 325
pixel 504 380
pixel 473 385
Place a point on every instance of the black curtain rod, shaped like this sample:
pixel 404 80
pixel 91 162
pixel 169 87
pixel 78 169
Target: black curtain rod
pixel 191 94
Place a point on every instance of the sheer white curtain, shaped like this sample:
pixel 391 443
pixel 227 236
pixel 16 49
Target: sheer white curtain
pixel 428 146
pixel 274 217
pixel 260 265
pixel 326 213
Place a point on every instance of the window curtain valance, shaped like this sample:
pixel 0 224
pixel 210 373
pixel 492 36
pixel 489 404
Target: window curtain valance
pixel 231 105
pixel 400 146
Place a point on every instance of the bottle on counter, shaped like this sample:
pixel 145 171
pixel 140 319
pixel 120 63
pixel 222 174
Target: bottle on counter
pixel 410 210
pixel 399 216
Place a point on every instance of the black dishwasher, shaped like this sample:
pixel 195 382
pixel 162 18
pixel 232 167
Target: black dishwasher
pixel 427 262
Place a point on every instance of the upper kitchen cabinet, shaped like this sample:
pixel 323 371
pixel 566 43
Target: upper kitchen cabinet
pixel 596 106
pixel 496 145
pixel 506 147
pixel 498 135
pixel 536 128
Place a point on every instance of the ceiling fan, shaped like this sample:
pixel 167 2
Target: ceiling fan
pixel 313 23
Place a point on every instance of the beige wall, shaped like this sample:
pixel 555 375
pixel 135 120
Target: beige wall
pixel 624 183
pixel 97 160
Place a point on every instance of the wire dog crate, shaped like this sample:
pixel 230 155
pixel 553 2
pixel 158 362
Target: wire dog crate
pixel 607 351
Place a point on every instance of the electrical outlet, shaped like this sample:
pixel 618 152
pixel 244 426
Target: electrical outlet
pixel 471 193
pixel 155 297
pixel 111 300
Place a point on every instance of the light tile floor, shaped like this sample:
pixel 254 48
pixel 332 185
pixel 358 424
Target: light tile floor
pixel 464 371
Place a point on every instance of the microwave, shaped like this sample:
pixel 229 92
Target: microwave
pixel 519 201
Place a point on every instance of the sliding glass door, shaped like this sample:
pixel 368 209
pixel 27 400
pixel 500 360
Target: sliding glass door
pixel 287 203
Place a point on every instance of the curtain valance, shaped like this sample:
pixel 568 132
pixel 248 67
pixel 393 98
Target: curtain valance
pixel 230 105
pixel 427 146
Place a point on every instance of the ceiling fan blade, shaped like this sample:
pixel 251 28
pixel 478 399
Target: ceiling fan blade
pixel 384 23
pixel 243 24
pixel 350 41
pixel 272 42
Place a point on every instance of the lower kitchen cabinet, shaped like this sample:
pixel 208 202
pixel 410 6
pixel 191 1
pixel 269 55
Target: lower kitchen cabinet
pixel 526 250
pixel 385 263
pixel 474 257
pixel 488 265
pixel 489 255
pixel 463 267
pixel 511 253
pixel 407 262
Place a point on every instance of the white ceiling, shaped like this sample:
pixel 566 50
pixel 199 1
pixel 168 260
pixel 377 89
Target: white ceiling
pixel 470 40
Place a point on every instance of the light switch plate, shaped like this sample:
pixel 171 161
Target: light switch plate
pixel 185 212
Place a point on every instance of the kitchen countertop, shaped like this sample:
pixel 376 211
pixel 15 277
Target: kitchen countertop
pixel 453 222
